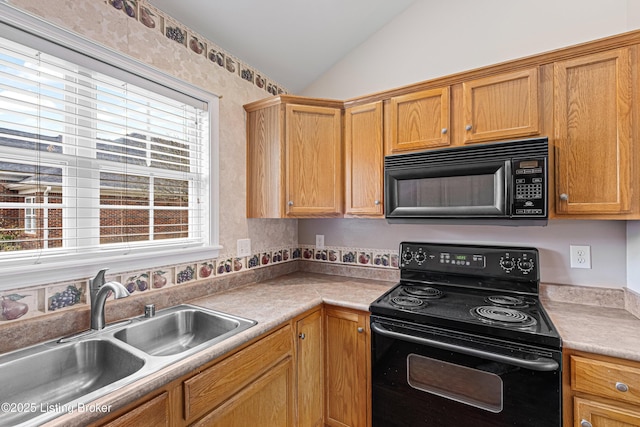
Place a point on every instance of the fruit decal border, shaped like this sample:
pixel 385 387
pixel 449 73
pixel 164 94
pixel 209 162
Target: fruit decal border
pixel 22 303
pixel 156 20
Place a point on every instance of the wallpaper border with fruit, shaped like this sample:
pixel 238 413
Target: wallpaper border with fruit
pixel 156 20
pixel 19 304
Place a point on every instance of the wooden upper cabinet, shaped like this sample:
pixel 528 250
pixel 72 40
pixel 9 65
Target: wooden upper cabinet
pixel 593 128
pixel 364 160
pixel 313 161
pixel 294 158
pixel 419 120
pixel 501 107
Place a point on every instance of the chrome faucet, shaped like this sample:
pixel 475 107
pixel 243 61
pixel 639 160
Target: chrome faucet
pixel 99 290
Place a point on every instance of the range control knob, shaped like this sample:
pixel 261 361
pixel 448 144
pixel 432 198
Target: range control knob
pixel 507 264
pixel 525 265
pixel 420 257
pixel 407 256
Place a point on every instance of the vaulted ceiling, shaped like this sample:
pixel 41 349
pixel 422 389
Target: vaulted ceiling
pixel 292 42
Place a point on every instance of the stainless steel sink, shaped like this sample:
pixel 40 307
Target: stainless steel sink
pixel 42 382
pixel 181 328
pixel 48 376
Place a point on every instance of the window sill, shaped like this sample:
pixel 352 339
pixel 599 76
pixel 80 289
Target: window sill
pixel 74 268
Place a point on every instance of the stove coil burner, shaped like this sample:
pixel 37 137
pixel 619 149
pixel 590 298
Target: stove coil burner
pixel 507 301
pixel 503 316
pixel 409 303
pixel 423 291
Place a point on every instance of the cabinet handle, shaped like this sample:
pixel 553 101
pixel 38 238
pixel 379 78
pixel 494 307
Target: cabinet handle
pixel 302 336
pixel 468 127
pixel 585 423
pixel 290 203
pixel 444 130
pixel 564 196
pixel 376 202
pixel 360 330
pixel 622 387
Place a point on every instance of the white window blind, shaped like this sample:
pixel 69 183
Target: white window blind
pixel 93 164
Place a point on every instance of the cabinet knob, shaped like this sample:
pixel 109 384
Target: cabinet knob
pixel 302 336
pixel 622 387
pixel 376 202
pixel 468 127
pixel 564 196
pixel 444 130
pixel 360 330
pixel 290 202
pixel 585 423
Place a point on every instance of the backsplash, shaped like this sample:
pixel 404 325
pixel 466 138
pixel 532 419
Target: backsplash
pixel 24 303
pixel 156 20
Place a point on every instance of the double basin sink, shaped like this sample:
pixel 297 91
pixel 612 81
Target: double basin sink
pixel 50 379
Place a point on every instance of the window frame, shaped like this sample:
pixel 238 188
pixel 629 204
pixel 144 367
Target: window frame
pixel 18 25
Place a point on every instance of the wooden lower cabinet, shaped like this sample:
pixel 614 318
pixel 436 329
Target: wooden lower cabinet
pixel 267 401
pixel 600 391
pixel 348 374
pixel 225 387
pixel 596 414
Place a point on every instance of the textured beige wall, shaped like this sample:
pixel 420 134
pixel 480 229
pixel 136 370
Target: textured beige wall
pixel 99 22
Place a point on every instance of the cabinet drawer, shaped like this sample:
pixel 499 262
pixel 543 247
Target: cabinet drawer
pixel 605 379
pixel 154 412
pixel 213 386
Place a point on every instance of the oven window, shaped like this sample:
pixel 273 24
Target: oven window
pixel 466 385
pixel 450 191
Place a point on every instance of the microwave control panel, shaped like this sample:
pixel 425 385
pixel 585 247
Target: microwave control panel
pixel 529 187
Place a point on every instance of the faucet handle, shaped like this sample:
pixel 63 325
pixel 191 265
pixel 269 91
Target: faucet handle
pixel 99 280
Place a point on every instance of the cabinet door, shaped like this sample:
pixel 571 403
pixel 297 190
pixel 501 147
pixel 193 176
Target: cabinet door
pixel 595 414
pixel 266 402
pixel 501 107
pixel 592 109
pixel 364 160
pixel 313 161
pixel 419 120
pixel 310 372
pixel 347 368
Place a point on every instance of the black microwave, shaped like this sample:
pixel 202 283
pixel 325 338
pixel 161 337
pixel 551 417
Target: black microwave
pixel 494 183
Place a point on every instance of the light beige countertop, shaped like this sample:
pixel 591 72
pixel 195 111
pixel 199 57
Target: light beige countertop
pixel 594 329
pixel 614 332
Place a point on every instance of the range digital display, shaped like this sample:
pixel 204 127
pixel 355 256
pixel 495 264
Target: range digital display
pixel 467 260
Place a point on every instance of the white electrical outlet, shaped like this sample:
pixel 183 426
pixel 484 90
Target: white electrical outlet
pixel 580 256
pixel 319 241
pixel 244 247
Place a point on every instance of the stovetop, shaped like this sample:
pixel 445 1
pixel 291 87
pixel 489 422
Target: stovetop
pixel 489 291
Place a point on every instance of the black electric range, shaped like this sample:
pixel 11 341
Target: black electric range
pixel 486 290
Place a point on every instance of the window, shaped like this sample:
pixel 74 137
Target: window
pixel 29 215
pixel 96 160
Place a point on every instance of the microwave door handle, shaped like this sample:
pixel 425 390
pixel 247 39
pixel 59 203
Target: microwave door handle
pixel 509 183
pixel 539 364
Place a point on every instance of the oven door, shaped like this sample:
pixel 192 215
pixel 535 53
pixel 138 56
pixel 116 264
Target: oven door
pixel 473 190
pixel 423 376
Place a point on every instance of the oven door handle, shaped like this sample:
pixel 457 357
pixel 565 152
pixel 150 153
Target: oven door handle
pixel 538 364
